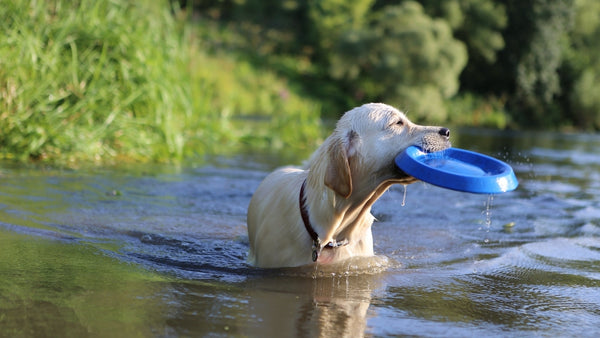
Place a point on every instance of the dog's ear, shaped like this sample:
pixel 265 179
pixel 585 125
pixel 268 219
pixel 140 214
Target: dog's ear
pixel 338 176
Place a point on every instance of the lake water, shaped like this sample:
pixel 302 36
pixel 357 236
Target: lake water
pixel 160 251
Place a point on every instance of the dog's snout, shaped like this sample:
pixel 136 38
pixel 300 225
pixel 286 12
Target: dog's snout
pixel 444 132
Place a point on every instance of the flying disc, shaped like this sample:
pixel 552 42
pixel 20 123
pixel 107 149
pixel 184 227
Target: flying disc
pixel 458 169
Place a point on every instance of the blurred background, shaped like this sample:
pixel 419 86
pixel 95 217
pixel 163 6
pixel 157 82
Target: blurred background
pixel 122 80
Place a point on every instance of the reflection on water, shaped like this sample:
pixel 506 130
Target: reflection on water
pixel 161 251
pixel 57 287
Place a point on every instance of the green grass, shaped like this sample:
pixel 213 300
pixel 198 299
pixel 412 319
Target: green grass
pixel 251 107
pixel 124 80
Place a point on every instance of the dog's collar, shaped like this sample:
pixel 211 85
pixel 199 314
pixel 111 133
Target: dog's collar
pixel 316 241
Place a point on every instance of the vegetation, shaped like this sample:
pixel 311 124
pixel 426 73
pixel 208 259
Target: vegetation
pixel 109 81
pixel 84 79
pixel 113 80
pixel 533 62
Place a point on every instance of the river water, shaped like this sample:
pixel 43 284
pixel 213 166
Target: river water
pixel 160 251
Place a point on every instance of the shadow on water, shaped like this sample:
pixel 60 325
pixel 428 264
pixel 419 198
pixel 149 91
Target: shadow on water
pixel 162 251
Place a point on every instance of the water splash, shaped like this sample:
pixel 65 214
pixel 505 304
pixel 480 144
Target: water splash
pixel 354 266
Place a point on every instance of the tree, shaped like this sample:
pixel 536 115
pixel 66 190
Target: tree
pixel 582 66
pixel 401 56
pixel 528 68
pixel 330 18
pixel 478 24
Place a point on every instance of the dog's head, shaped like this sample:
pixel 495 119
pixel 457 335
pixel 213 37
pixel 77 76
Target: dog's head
pixel 366 141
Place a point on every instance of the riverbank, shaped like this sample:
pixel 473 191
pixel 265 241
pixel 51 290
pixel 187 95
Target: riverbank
pixel 113 81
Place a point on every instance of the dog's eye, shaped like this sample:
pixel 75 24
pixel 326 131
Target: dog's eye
pixel 400 123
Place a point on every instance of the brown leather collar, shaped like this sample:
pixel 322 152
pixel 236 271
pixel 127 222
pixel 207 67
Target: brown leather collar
pixel 316 241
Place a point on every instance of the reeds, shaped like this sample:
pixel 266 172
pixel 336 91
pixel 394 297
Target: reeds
pixel 113 80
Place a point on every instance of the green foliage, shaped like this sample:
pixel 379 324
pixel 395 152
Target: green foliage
pixel 527 70
pixel 585 100
pixel 537 81
pixel 331 18
pixel 539 56
pixel 83 78
pixel 250 108
pixel 402 56
pixel 469 109
pixel 125 80
pixel 583 66
pixel 478 23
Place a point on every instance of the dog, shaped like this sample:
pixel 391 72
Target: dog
pixel 320 214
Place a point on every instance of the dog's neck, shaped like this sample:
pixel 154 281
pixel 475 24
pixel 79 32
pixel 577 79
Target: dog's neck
pixel 335 219
pixel 317 243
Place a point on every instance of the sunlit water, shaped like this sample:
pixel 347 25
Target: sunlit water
pixel 161 251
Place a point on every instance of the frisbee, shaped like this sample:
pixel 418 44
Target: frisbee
pixel 458 169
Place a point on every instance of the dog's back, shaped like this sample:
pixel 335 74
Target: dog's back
pixel 273 205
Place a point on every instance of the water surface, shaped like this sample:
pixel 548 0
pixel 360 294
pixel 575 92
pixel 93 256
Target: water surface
pixel 160 251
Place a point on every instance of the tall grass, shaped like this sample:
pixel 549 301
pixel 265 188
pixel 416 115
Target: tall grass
pixel 112 80
pixel 251 108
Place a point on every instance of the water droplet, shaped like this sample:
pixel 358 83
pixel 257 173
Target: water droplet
pixel 488 212
pixel 488 217
pixel 404 196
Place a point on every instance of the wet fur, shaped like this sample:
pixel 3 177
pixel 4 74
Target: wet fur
pixel 344 177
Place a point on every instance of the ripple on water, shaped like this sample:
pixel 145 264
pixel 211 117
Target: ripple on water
pixel 225 260
pixel 577 256
pixel 550 284
pixel 558 261
pixel 188 257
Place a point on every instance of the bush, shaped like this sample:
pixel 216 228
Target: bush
pixel 471 110
pixel 585 100
pixel 582 67
pixel 403 57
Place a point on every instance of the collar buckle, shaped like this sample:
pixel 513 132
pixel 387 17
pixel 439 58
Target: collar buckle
pixel 316 249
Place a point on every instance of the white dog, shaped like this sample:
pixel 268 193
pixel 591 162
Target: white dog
pixel 322 213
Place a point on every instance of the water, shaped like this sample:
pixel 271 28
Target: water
pixel 160 251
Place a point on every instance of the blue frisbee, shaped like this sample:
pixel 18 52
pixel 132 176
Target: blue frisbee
pixel 458 169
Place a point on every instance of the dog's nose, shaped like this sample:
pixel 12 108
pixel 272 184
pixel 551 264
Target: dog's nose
pixel 444 132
